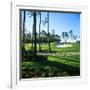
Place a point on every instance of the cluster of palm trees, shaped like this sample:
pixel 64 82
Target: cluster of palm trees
pixel 34 32
pixel 66 35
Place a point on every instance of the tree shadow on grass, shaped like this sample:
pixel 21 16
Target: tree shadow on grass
pixel 45 68
pixel 62 67
pixel 68 59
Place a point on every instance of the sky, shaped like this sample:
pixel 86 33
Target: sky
pixel 60 22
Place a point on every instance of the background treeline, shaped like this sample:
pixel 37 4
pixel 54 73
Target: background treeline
pixel 43 39
pixel 53 37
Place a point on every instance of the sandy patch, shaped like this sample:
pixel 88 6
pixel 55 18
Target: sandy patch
pixel 64 45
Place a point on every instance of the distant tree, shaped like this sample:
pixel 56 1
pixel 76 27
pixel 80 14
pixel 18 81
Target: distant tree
pixel 43 36
pixel 71 34
pixel 65 36
pixel 57 38
pixel 75 37
pixel 53 32
pixel 28 37
pixel 43 33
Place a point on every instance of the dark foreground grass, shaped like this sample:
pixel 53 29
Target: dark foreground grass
pixel 64 62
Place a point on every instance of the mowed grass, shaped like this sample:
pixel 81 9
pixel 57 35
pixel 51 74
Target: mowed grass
pixel 44 47
pixel 60 62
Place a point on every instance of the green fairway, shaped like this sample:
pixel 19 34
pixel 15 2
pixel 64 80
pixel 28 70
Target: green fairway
pixel 60 62
pixel 75 47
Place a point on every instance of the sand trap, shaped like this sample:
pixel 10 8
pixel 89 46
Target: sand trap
pixel 64 45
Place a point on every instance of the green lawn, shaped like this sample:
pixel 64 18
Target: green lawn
pixel 60 62
pixel 75 48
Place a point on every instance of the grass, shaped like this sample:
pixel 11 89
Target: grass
pixel 62 62
pixel 75 48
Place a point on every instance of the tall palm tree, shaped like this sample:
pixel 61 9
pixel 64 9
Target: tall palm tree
pixel 23 31
pixel 39 32
pixel 24 19
pixel 30 14
pixel 34 33
pixel 22 27
pixel 48 38
pixel 49 47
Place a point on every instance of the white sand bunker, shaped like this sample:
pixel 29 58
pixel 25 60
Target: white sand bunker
pixel 64 45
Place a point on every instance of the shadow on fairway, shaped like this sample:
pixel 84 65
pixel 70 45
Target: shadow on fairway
pixel 41 67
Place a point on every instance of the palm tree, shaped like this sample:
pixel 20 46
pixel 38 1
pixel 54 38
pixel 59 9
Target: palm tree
pixel 34 34
pixel 49 49
pixel 39 32
pixel 30 14
pixel 65 36
pixel 24 19
pixel 44 36
pixel 53 32
pixel 22 27
pixel 71 34
pixel 48 38
pixel 23 31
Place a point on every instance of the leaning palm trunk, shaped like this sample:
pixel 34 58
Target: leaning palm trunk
pixel 49 47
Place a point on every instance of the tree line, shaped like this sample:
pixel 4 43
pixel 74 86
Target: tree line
pixel 43 38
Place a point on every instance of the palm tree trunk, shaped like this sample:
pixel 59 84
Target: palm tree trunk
pixel 49 48
pixel 24 26
pixel 34 32
pixel 32 39
pixel 39 33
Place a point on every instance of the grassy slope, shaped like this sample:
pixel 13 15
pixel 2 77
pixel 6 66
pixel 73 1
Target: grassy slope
pixel 65 62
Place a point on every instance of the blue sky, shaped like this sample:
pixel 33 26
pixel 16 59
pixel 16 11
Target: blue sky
pixel 60 22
